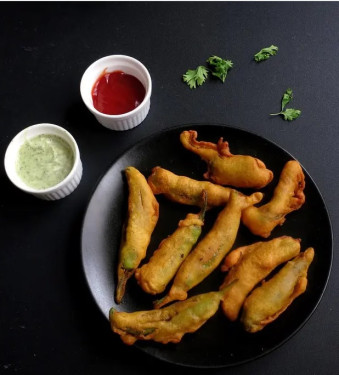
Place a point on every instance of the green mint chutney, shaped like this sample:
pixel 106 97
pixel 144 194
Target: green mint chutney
pixel 44 161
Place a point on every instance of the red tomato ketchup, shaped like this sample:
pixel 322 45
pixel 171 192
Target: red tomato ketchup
pixel 116 93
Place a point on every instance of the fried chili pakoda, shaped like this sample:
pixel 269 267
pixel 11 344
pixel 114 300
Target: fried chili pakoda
pixel 154 276
pixel 268 301
pixel 223 167
pixel 250 265
pixel 143 213
pixel 211 250
pixel 288 196
pixel 185 190
pixel 166 325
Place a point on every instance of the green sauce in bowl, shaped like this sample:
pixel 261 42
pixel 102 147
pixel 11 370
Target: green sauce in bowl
pixel 44 161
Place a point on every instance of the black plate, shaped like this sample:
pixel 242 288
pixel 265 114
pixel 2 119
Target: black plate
pixel 218 343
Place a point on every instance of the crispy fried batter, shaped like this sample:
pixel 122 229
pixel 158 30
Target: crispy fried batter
pixel 166 325
pixel 210 251
pixel 143 213
pixel 268 301
pixel 186 190
pixel 250 265
pixel 154 276
pixel 288 196
pixel 224 168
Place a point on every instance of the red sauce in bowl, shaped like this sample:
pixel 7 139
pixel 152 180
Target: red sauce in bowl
pixel 116 93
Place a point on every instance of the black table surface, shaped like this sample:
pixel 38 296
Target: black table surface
pixel 49 322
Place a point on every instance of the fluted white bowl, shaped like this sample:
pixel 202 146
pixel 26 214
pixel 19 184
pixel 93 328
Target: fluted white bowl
pixel 128 65
pixel 58 191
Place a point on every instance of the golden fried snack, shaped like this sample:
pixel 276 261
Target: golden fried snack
pixel 186 190
pixel 210 251
pixel 154 276
pixel 288 196
pixel 143 213
pixel 224 168
pixel 268 301
pixel 250 265
pixel 165 325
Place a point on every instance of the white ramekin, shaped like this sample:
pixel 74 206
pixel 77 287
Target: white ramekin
pixel 63 188
pixel 128 65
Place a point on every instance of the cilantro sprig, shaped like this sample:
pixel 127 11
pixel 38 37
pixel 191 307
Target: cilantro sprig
pixel 220 67
pixel 217 66
pixel 289 114
pixel 266 53
pixel 195 77
pixel 287 97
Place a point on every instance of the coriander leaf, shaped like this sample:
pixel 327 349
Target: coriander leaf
pixel 266 53
pixel 287 97
pixel 194 77
pixel 289 114
pixel 219 67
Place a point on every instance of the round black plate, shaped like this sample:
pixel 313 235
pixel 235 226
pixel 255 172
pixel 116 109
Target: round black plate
pixel 218 343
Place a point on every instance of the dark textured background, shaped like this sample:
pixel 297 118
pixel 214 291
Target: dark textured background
pixel 49 322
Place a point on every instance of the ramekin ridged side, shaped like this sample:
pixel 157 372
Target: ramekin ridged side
pixel 127 123
pixel 66 189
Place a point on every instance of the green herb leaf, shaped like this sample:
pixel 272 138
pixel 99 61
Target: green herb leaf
pixel 194 77
pixel 289 114
pixel 287 97
pixel 266 53
pixel 219 67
